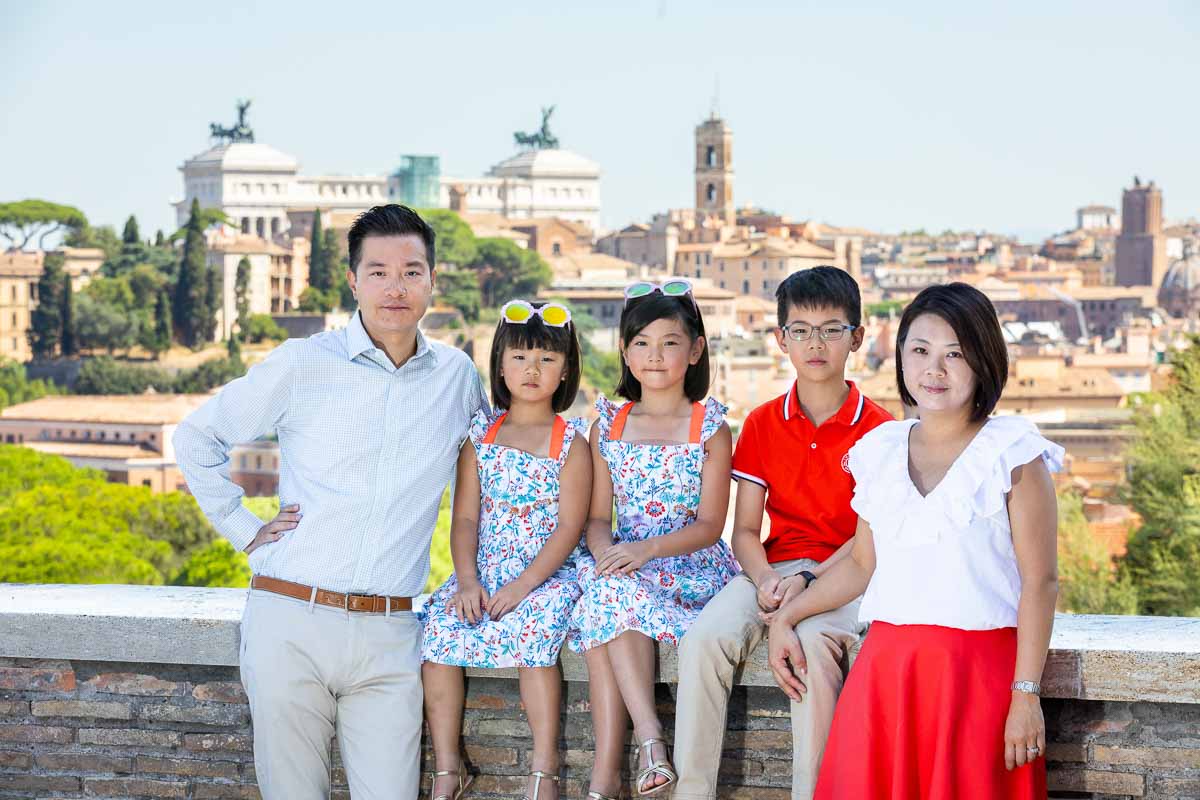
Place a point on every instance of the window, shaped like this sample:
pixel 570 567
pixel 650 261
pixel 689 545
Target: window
pixel 8 437
pixel 722 284
pixel 14 294
pixel 722 266
pixel 258 462
pixel 708 258
pixel 697 272
pixel 711 194
pixel 766 285
pixel 556 249
pixel 710 156
pixel 697 258
pixel 103 435
pixel 146 482
pixel 746 265
pixel 745 287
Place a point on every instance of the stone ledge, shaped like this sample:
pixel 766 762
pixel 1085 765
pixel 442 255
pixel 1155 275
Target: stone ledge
pixel 1153 659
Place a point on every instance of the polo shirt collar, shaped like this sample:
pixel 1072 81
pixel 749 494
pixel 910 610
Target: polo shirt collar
pixel 849 414
pixel 359 342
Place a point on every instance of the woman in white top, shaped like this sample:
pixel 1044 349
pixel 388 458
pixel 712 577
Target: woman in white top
pixel 956 550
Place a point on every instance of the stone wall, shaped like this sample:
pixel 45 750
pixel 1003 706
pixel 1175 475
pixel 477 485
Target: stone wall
pixel 133 692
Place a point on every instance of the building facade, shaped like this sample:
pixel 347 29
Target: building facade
pixel 1141 258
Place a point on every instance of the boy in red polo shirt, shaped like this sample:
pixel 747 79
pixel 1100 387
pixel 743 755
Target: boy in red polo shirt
pixel 790 460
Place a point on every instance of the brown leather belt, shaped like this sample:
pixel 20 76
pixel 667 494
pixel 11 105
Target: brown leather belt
pixel 365 603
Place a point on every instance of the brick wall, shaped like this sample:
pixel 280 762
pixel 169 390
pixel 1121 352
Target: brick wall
pixel 73 729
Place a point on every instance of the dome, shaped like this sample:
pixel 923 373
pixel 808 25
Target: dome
pixel 1184 273
pixel 546 164
pixel 245 156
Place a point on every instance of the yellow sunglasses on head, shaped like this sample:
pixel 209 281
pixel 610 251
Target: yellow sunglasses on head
pixel 519 312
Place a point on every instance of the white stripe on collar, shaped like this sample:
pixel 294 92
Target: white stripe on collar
pixel 858 411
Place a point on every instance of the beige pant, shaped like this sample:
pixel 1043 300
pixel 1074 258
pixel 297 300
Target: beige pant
pixel 312 670
pixel 723 636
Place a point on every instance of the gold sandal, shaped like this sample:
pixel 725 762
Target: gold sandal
pixel 465 779
pixel 538 777
pixel 663 768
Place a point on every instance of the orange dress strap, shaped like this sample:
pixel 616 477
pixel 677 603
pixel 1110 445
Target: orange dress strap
pixel 556 437
pixel 490 436
pixel 618 423
pixel 697 423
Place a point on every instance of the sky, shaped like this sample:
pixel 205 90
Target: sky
pixel 887 116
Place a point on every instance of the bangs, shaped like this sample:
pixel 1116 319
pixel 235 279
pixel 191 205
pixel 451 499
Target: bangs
pixel 534 334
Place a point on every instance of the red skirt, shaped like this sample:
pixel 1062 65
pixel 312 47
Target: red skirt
pixel 922 718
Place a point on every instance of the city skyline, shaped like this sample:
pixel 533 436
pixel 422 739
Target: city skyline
pixel 963 119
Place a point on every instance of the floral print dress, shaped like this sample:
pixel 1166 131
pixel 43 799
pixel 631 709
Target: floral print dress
pixel 657 491
pixel 518 513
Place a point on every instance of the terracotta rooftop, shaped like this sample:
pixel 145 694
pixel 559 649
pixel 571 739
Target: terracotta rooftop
pixel 140 409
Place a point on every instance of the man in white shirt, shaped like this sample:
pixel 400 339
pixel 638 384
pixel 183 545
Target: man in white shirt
pixel 370 420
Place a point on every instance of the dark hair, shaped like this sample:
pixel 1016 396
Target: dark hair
pixel 640 312
pixel 820 287
pixel 528 335
pixel 390 220
pixel 973 318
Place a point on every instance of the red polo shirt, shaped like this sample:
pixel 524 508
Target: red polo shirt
pixel 805 471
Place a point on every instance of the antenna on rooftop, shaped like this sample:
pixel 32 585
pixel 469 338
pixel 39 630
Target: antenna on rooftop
pixel 715 112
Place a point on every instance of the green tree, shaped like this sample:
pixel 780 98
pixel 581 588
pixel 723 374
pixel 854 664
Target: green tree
pixel 241 292
pixel 1164 488
pixel 454 241
pixel 190 303
pixel 441 564
pixel 261 328
pixel 102 238
pixel 107 376
pixel 159 239
pixel 131 235
pixel 45 323
pixel 460 288
pixel 205 218
pixel 157 337
pixel 212 303
pixel 314 300
pixel 1087 577
pixel 145 282
pixel 21 221
pixel 211 374
pixel 104 325
pixel 15 387
pixel 215 564
pixel 507 271
pixel 67 343
pixel 320 271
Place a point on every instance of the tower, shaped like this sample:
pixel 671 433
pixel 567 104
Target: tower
pixel 1141 258
pixel 714 169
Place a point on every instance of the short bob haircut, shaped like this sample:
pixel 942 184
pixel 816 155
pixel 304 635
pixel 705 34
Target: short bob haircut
pixel 640 312
pixel 526 336
pixel 390 220
pixel 820 287
pixel 973 318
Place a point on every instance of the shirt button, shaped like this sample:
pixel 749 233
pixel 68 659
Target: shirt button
pixel 813 445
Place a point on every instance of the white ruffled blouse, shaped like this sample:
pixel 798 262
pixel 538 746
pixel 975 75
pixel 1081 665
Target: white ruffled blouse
pixel 945 558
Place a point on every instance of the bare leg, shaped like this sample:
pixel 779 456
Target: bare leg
pixel 541 692
pixel 610 722
pixel 632 655
pixel 444 690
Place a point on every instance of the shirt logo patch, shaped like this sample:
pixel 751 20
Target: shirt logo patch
pixel 846 463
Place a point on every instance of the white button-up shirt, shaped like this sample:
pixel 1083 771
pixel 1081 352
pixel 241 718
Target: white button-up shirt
pixel 367 449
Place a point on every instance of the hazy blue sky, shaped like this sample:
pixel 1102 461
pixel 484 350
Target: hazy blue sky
pixel 883 115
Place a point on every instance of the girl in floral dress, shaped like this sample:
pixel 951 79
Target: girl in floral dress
pixel 524 480
pixel 664 458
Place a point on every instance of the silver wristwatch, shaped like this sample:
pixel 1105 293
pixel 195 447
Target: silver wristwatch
pixel 1028 687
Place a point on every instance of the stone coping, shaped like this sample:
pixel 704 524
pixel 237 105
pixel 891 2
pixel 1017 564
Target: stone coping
pixel 1091 658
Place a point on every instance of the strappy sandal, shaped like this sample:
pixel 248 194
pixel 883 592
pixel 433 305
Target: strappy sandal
pixel 539 776
pixel 465 779
pixel 663 768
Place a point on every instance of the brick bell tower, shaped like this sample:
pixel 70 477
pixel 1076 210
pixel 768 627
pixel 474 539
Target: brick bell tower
pixel 714 169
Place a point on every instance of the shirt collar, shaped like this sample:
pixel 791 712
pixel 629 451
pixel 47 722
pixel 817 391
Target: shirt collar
pixel 358 342
pixel 849 414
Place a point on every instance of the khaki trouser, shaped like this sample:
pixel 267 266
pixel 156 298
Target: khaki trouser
pixel 312 670
pixel 724 635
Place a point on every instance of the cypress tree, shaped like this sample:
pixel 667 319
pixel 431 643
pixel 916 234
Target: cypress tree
pixel 162 322
pixel 212 303
pixel 45 324
pixel 159 239
pixel 241 292
pixel 131 235
pixel 190 304
pixel 68 318
pixel 318 269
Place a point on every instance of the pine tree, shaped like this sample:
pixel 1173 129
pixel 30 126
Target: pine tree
pixel 68 318
pixel 318 269
pixel 159 239
pixel 131 235
pixel 190 304
pixel 45 324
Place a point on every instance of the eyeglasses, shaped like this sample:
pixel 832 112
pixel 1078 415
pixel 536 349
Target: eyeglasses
pixel 519 312
pixel 676 287
pixel 828 333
